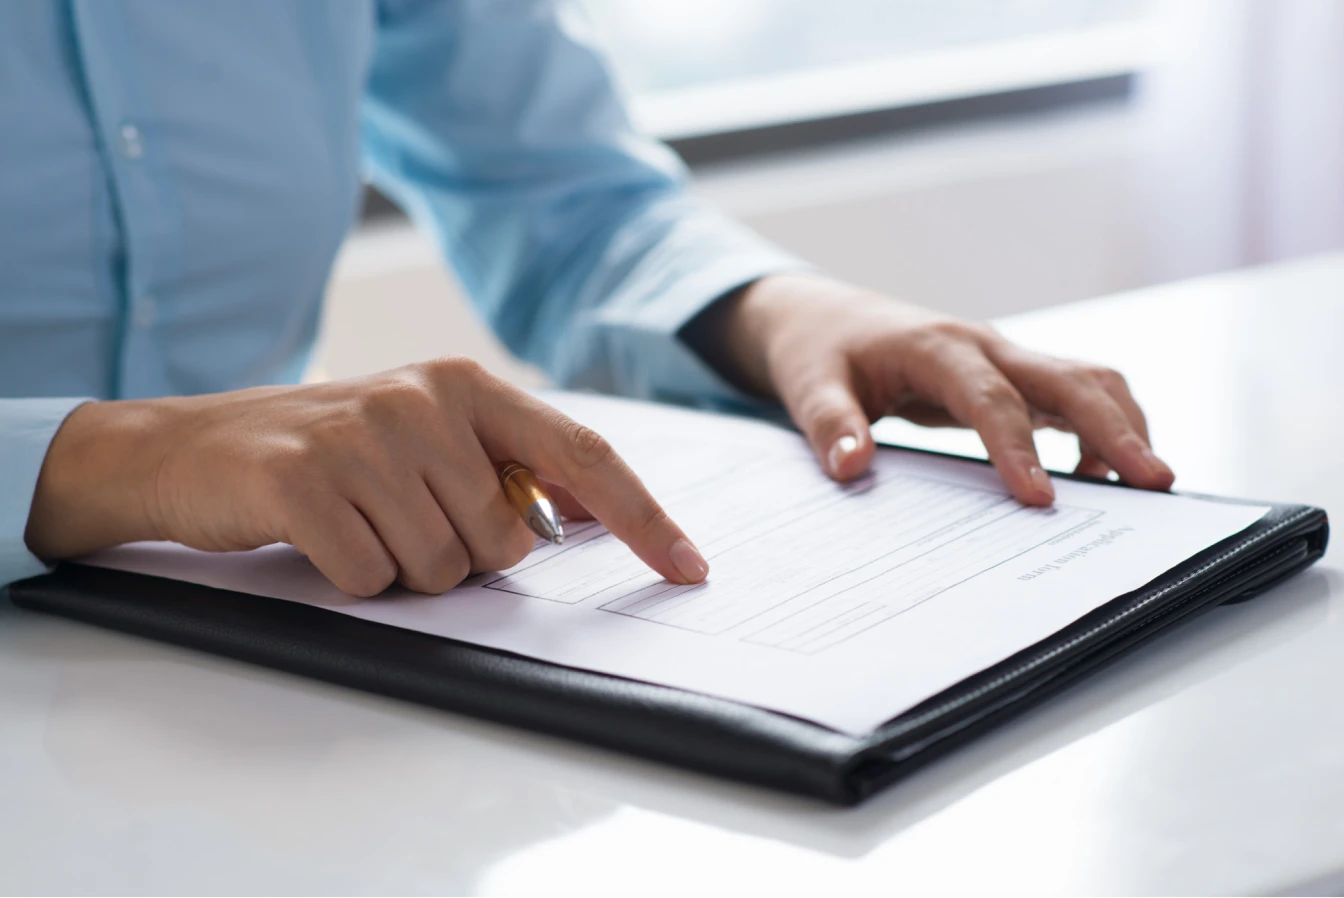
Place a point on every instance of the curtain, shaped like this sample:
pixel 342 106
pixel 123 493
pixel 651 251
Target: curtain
pixel 1242 134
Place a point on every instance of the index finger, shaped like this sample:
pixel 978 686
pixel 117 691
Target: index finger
pixel 559 449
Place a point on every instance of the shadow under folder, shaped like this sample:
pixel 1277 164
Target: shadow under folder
pixel 503 789
pixel 1198 651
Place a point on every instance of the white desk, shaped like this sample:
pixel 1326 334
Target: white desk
pixel 1212 761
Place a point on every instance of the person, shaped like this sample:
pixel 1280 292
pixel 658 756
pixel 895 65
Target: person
pixel 178 178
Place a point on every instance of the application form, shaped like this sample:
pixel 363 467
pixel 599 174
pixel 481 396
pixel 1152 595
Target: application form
pixel 841 604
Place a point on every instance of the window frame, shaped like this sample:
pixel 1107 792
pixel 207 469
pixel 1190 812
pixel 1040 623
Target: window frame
pixel 979 82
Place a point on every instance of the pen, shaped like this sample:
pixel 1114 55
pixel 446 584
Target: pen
pixel 530 500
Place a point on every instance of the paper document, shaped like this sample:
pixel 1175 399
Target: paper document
pixel 844 605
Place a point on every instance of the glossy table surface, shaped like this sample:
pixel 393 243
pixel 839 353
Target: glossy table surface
pixel 1209 761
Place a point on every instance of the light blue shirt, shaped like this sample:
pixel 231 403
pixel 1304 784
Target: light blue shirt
pixel 178 175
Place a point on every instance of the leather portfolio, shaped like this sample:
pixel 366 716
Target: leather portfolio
pixel 689 729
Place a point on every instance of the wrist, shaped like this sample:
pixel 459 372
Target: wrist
pixel 734 334
pixel 96 487
pixel 773 314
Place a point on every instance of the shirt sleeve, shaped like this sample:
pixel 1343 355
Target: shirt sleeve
pixel 27 427
pixel 497 123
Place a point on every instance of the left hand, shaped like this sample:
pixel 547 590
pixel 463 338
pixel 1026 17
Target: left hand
pixel 840 357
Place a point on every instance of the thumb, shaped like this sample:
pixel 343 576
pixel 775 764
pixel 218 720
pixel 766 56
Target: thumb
pixel 835 424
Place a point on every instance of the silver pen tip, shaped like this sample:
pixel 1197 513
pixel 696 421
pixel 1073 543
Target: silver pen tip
pixel 544 520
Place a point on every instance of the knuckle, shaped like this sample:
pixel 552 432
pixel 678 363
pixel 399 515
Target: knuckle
pixel 948 328
pixel 934 339
pixel 445 567
pixel 943 339
pixel 818 412
pixel 995 397
pixel 1045 378
pixel 987 331
pixel 457 369
pixel 1110 379
pixel 654 518
pixel 456 567
pixel 368 573
pixel 589 449
pixel 943 332
pixel 505 544
pixel 513 546
pixel 395 402
pixel 979 332
pixel 418 578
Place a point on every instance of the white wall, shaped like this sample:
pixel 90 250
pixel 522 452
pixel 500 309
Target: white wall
pixel 982 221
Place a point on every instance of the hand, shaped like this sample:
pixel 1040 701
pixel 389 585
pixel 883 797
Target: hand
pixel 383 478
pixel 840 357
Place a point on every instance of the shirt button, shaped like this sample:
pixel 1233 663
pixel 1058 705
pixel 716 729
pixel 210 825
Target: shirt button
pixel 145 311
pixel 131 144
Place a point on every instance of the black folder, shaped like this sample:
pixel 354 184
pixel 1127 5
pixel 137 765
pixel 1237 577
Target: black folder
pixel 692 730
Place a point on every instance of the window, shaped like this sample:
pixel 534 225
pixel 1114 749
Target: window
pixel 698 67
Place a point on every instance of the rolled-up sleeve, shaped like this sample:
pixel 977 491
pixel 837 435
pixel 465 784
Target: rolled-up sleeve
pixel 497 123
pixel 27 427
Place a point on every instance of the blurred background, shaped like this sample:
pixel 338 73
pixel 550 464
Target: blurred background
pixel 984 157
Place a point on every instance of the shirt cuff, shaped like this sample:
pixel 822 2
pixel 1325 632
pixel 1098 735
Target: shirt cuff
pixel 705 258
pixel 27 427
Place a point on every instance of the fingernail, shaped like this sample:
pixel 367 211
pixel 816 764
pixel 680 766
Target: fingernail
pixel 843 449
pixel 1041 481
pixel 688 562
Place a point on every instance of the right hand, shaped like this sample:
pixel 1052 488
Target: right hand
pixel 378 479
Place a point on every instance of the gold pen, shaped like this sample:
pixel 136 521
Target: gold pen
pixel 525 494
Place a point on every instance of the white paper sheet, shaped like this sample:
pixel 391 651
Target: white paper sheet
pixel 841 605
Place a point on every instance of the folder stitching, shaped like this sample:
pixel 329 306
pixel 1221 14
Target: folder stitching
pixel 953 704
